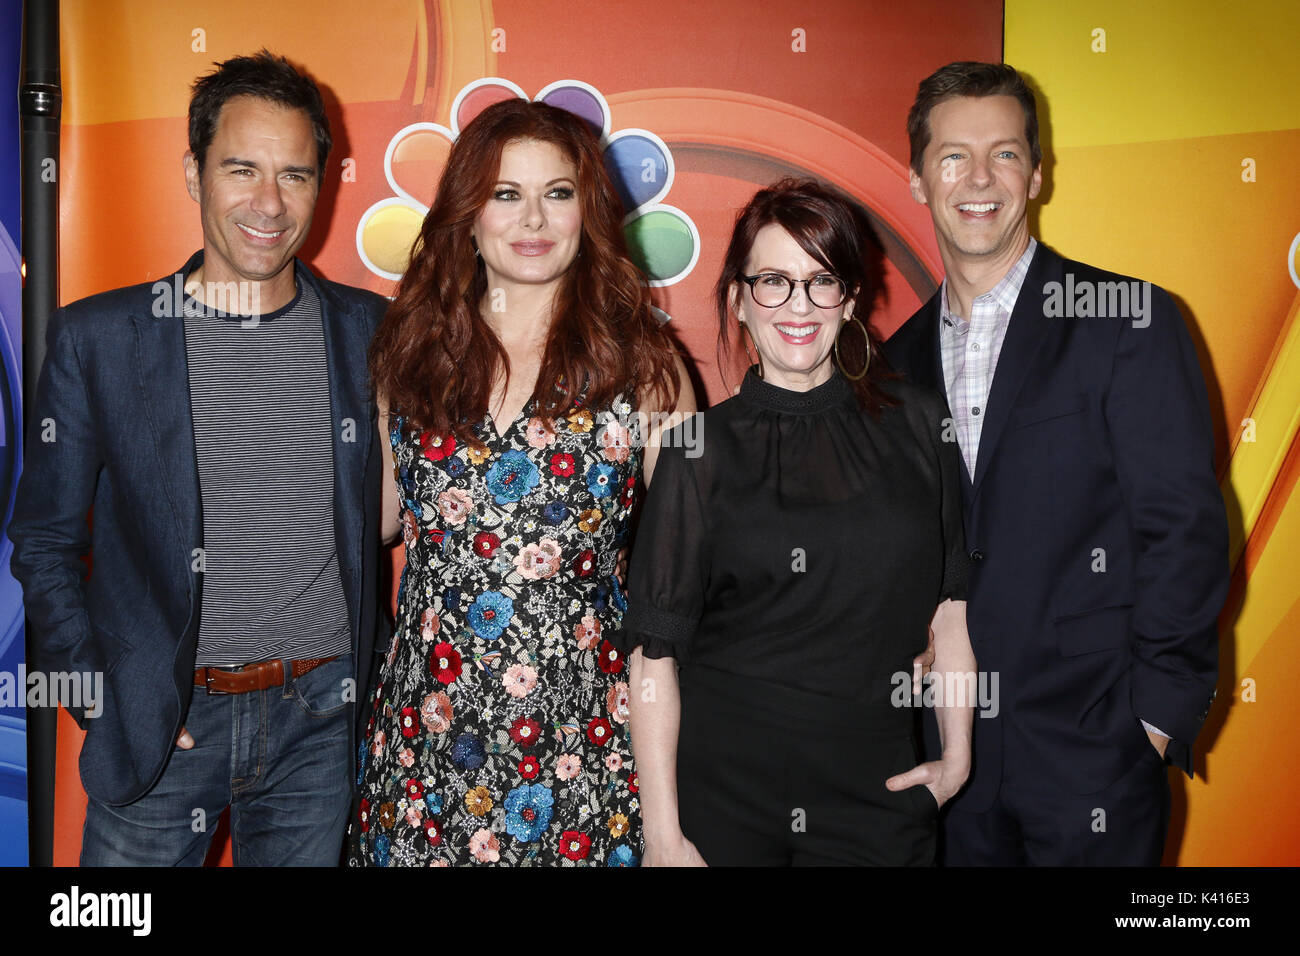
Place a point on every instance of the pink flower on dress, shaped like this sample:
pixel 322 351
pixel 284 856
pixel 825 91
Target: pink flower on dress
pixel 414 817
pixel 615 442
pixel 406 757
pixel 429 624
pixel 617 702
pixel 435 712
pixel 568 766
pixel 483 844
pixel 409 528
pixel 519 679
pixel 587 632
pixel 539 560
pixel 614 762
pixel 455 505
pixel 377 747
pixel 539 433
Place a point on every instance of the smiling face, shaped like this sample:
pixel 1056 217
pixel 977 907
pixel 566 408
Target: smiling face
pixel 977 178
pixel 256 194
pixel 794 340
pixel 529 230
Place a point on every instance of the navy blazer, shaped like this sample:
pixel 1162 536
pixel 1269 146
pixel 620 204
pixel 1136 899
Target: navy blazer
pixel 1096 531
pixel 112 430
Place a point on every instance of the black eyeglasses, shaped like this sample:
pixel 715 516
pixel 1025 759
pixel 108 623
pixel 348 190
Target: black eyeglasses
pixel 772 290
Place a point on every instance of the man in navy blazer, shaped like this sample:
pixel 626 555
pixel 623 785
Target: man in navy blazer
pixel 1094 523
pixel 220 425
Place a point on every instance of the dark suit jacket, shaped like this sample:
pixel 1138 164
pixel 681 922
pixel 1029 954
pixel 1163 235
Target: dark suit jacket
pixel 115 387
pixel 1097 534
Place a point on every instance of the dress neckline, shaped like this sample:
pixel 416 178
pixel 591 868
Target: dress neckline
pixel 830 394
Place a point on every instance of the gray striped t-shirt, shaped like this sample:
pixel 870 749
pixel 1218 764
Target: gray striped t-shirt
pixel 259 394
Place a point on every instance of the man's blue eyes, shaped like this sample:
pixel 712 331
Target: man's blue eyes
pixel 953 157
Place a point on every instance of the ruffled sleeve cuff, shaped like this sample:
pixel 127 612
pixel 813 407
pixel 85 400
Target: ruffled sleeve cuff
pixel 657 632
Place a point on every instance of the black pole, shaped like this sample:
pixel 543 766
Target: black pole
pixel 40 98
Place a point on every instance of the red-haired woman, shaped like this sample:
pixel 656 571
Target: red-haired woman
pixel 511 368
pixel 792 569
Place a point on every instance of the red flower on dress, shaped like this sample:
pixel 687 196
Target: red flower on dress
pixel 529 767
pixel 629 491
pixel 486 544
pixel 414 790
pixel 609 658
pixel 575 845
pixel 562 464
pixel 432 832
pixel 409 721
pixel 526 732
pixel 633 783
pixel 585 564
pixel 437 447
pixel 365 815
pixel 445 663
pixel 599 731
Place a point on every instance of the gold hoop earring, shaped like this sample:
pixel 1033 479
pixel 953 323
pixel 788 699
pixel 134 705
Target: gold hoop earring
pixel 746 337
pixel 866 338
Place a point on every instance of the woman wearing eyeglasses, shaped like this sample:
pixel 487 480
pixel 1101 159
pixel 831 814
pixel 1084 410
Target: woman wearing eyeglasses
pixel 789 567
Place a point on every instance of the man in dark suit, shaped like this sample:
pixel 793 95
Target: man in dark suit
pixel 220 425
pixel 1094 524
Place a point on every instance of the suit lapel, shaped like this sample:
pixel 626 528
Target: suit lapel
pixel 346 346
pixel 165 382
pixel 926 362
pixel 1024 337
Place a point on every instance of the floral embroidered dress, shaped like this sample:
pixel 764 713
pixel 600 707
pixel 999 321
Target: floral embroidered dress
pixel 498 734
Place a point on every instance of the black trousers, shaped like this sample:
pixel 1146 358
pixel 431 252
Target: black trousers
pixel 771 776
pixel 1034 822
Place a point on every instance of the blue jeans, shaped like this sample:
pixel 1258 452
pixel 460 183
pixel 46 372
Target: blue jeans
pixel 280 758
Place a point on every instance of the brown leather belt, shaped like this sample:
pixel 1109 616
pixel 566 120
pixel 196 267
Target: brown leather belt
pixel 249 677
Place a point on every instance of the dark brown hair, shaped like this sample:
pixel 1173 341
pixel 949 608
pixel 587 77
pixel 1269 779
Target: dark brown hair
pixel 267 77
pixel 834 231
pixel 434 359
pixel 969 79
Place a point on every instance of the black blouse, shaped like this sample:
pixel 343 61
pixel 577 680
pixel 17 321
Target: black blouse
pixel 805 543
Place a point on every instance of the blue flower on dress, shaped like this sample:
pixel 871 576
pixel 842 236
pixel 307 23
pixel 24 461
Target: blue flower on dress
pixel 467 753
pixel 432 800
pixel 600 479
pixel 453 466
pixel 555 512
pixel 450 599
pixel 489 614
pixel 512 476
pixel 382 843
pixel 616 592
pixel 622 856
pixel 528 811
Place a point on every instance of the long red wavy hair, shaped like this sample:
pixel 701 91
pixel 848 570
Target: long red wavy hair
pixel 434 359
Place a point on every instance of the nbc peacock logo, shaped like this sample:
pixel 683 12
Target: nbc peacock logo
pixel 661 238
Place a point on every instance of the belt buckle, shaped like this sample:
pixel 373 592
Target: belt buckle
pixel 207 681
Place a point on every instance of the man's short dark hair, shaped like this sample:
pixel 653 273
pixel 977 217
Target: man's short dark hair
pixel 969 79
pixel 265 76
